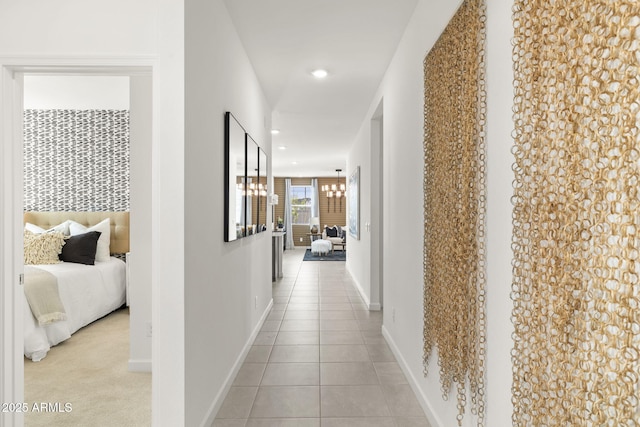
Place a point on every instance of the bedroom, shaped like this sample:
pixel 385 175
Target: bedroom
pixel 62 113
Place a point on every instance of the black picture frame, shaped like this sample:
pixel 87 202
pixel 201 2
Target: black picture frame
pixel 252 195
pixel 245 182
pixel 263 176
pixel 234 178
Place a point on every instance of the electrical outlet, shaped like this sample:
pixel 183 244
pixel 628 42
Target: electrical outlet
pixel 393 314
pixel 301 239
pixel 149 329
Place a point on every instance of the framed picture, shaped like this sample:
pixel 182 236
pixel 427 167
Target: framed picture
pixel 262 191
pixel 245 182
pixel 235 176
pixel 251 187
pixel 353 193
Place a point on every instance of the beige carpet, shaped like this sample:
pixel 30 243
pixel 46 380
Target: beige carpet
pixel 89 371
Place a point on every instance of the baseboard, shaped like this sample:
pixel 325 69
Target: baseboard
pixel 219 399
pixel 433 419
pixel 372 307
pixel 364 297
pixel 140 365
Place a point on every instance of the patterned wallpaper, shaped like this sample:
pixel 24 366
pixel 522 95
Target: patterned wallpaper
pixel 76 160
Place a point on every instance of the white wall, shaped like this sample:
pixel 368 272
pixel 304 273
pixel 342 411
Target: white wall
pixel 80 27
pixel 499 209
pixel 359 253
pixel 123 34
pixel 222 279
pixel 402 92
pixel 76 92
pixel 364 255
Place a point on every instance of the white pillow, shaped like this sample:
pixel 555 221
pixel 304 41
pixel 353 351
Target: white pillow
pixel 103 252
pixel 60 228
pixel 42 248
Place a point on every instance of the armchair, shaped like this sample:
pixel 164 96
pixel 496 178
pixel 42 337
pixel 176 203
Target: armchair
pixel 337 235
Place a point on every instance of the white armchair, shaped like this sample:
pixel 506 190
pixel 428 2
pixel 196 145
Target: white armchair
pixel 337 235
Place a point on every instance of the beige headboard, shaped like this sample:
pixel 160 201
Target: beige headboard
pixel 119 224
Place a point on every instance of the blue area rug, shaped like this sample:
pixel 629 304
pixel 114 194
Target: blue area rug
pixel 335 256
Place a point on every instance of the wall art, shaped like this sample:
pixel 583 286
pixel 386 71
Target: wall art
pixel 576 217
pixel 454 209
pixel 353 195
pixel 235 167
pixel 245 182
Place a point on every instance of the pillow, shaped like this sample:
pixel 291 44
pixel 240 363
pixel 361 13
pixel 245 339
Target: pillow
pixel 60 228
pixel 42 248
pixel 81 249
pixel 331 231
pixel 104 227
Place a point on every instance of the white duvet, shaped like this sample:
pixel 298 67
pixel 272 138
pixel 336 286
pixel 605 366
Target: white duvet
pixel 88 292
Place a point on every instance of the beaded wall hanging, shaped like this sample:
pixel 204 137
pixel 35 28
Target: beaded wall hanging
pixel 454 207
pixel 576 218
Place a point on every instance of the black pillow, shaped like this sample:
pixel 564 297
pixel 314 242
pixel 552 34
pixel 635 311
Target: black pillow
pixel 81 249
pixel 331 231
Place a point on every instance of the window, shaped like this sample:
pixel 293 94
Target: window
pixel 301 203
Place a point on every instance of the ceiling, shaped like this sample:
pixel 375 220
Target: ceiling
pixel 354 40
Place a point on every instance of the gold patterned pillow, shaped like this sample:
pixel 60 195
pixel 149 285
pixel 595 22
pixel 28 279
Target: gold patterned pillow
pixel 42 248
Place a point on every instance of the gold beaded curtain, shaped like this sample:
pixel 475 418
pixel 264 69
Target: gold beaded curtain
pixel 576 218
pixel 454 207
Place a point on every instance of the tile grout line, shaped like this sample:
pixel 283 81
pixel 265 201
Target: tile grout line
pixel 365 326
pixel 319 356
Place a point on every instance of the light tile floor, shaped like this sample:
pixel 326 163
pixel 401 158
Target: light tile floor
pixel 320 359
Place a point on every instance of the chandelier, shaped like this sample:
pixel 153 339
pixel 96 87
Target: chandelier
pixel 253 189
pixel 335 191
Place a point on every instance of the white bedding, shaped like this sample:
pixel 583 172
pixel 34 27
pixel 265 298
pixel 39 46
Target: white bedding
pixel 88 292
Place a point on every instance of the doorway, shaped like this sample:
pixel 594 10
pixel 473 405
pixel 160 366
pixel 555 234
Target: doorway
pixel 11 203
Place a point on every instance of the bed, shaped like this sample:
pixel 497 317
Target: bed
pixel 87 292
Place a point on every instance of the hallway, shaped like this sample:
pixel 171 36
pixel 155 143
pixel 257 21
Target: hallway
pixel 320 359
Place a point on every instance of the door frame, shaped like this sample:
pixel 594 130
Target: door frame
pixel 11 359
pixel 376 264
pixel 12 71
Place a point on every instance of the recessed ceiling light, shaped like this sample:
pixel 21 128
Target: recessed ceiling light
pixel 282 147
pixel 320 74
pixel 294 163
pixel 275 131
